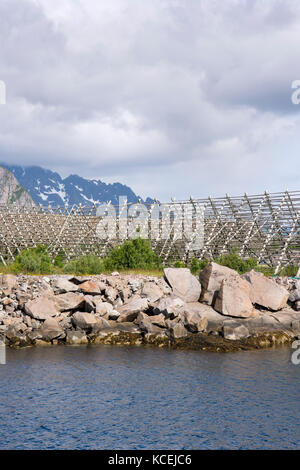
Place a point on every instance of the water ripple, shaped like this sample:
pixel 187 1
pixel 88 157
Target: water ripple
pixel 144 398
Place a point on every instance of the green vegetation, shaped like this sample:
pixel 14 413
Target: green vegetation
pixel 33 260
pixel 179 264
pixel 290 271
pixel 234 261
pixel 60 259
pixel 133 256
pixel 231 260
pixel 88 264
pixel 197 265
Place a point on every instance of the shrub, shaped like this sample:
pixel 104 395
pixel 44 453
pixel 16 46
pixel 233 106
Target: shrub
pixel 234 261
pixel 290 271
pixel 33 260
pixel 195 266
pixel 132 254
pixel 179 264
pixel 60 259
pixel 88 264
pixel 266 270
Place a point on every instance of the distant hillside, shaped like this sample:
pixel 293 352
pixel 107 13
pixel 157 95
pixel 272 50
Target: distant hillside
pixel 47 187
pixel 11 191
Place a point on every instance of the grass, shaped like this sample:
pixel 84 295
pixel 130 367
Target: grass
pixel 134 257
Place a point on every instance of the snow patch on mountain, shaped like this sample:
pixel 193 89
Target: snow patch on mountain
pixel 47 187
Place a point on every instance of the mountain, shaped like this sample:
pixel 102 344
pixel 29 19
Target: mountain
pixel 48 187
pixel 12 191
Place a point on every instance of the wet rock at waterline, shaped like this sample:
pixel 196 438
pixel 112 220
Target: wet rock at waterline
pixel 235 312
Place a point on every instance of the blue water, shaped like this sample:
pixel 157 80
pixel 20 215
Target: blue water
pixel 108 397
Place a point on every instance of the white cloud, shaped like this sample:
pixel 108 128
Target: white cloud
pixel 170 97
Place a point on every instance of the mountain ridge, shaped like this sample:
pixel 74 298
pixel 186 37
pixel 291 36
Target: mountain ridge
pixel 47 187
pixel 12 192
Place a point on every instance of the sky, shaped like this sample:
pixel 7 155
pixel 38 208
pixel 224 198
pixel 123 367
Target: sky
pixel 175 98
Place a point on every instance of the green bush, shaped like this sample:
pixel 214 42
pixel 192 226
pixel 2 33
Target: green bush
pixel 88 264
pixel 132 254
pixel 195 266
pixel 203 263
pixel 33 260
pixel 179 264
pixel 60 259
pixel 266 270
pixel 290 271
pixel 234 261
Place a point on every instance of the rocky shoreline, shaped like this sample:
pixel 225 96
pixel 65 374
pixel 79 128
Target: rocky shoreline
pixel 218 311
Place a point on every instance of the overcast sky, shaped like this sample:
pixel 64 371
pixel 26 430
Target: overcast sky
pixel 172 97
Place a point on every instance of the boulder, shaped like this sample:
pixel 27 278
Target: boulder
pixel 51 330
pixel 41 308
pixel 34 335
pixel 103 308
pixel 183 283
pixel 211 278
pixel 152 292
pixel 85 321
pixel 79 279
pixel 178 331
pixel 129 312
pixel 111 294
pixel 62 285
pixel 76 337
pixel 69 301
pixel 113 315
pixel 90 287
pixel 89 305
pixel 294 292
pixel 285 318
pixel 194 322
pixel 158 320
pixel 233 298
pixel 234 331
pixel 266 292
pixel 263 322
pixel 8 282
pixel 214 319
pixel 294 296
pixel 170 307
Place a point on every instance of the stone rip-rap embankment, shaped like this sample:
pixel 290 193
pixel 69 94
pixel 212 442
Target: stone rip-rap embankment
pixel 218 311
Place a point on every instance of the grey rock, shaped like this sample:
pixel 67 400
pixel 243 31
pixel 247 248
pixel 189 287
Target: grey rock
pixel 62 285
pixel 113 315
pixel 170 307
pixel 183 283
pixel 85 321
pixel 69 301
pixel 158 320
pixel 76 337
pixel 129 312
pixel 266 292
pixel 233 298
pixel 211 278
pixel 178 331
pixel 89 305
pixel 234 331
pixel 51 330
pixel 152 292
pixel 194 322
pixel 90 287
pixel 42 308
pixel 103 308
pixel 111 294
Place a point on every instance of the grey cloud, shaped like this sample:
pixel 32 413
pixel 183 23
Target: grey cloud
pixel 172 97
